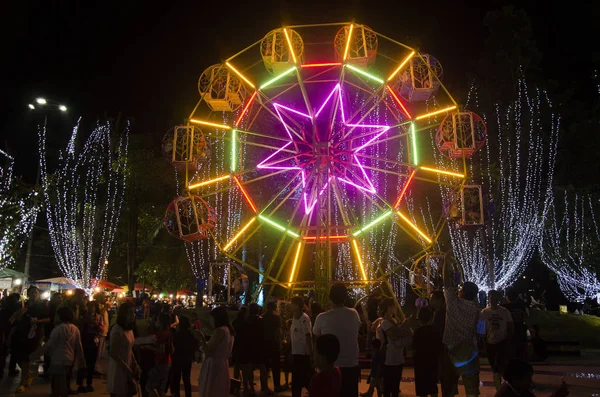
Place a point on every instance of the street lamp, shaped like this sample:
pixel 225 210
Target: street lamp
pixel 46 105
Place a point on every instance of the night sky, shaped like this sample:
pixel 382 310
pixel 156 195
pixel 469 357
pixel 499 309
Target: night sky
pixel 143 58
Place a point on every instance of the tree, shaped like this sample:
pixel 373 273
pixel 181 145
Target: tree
pixel 83 200
pixel 18 211
pixel 571 244
pixel 521 148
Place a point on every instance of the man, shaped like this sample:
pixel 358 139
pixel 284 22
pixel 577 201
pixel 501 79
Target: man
pixel 499 330
pixel 447 373
pixel 273 333
pixel 344 323
pixel 301 339
pixel 462 319
pixel 518 312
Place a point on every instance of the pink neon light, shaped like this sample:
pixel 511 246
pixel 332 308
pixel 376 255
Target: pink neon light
pixel 361 181
pixel 317 65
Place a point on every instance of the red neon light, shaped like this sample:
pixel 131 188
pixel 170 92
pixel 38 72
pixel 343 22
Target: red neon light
pixel 324 237
pixel 245 108
pixel 245 193
pixel 399 102
pixel 318 65
pixel 410 178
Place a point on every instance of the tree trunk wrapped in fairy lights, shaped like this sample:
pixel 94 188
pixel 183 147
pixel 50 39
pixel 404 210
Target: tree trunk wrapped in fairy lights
pixel 83 200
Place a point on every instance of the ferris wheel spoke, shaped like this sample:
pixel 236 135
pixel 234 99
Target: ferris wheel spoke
pixel 410 166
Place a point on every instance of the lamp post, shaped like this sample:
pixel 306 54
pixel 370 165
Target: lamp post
pixel 46 105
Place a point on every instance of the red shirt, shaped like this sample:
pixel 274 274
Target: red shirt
pixel 163 340
pixel 326 384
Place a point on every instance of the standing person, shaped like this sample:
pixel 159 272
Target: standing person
pixel 447 373
pixel 123 370
pixel 273 334
pixel 519 381
pixel 9 307
pixel 159 374
pixel 462 320
pixel 28 334
pixel 256 329
pixel 55 303
pixel 214 375
pixel 499 330
pixel 315 310
pixel 64 348
pixel 300 337
pixel 184 350
pixel 91 326
pixel 518 311
pixel 241 346
pixel 103 334
pixel 344 323
pixel 328 382
pixel 377 363
pixel 395 337
pixel 373 302
pixel 427 346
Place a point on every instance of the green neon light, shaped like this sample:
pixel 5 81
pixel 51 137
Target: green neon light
pixel 278 226
pixel 233 149
pixel 274 79
pixel 373 223
pixel 413 133
pixel 360 71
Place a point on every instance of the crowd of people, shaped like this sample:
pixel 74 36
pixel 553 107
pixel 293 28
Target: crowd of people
pixel 320 349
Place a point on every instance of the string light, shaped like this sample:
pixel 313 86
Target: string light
pixel 495 255
pixel 19 212
pixel 83 201
pixel 570 245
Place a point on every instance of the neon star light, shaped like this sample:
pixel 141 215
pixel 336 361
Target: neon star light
pixel 337 146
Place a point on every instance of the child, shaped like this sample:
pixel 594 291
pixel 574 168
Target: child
pixel 159 374
pixel 64 348
pixel 328 382
pixel 377 363
pixel 427 347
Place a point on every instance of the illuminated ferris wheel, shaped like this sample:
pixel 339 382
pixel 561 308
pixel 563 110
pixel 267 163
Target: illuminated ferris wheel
pixel 309 157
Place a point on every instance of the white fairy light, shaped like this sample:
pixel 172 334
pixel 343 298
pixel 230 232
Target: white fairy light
pixel 525 136
pixel 570 246
pixel 83 199
pixel 18 212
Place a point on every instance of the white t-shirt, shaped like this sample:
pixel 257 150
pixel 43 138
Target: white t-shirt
pixel 344 323
pixel 394 353
pixel 298 330
pixel 496 323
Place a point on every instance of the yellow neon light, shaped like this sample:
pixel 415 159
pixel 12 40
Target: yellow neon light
pixel 401 65
pixel 230 66
pixel 221 178
pixel 348 42
pixel 443 172
pixel 208 123
pixel 414 227
pixel 295 262
pixel 287 37
pixel 436 112
pixel 360 264
pixel 238 234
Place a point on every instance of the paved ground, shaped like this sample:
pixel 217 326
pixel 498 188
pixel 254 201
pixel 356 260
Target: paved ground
pixel 581 373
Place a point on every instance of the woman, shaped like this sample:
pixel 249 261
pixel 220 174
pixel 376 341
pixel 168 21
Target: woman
pixel 185 347
pixel 122 367
pixel 395 337
pixel 214 375
pixel 91 326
